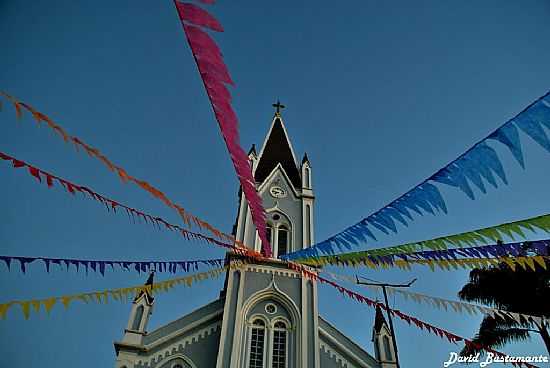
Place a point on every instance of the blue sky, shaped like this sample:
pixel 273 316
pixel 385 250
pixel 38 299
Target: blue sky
pixel 380 95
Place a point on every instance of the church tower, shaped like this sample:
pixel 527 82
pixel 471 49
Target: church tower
pixel 270 317
pixel 267 314
pixel 287 193
pixel 142 308
pixel 383 341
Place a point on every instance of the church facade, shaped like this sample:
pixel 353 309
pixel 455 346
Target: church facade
pixel 267 314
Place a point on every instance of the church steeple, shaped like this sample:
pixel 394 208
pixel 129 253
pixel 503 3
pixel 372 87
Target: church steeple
pixel 286 191
pixel 277 149
pixel 142 308
pixel 383 341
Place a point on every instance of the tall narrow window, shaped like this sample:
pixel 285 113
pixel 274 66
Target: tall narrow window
pixel 257 342
pixel 308 225
pixel 308 185
pixel 279 345
pixel 137 318
pixel 282 240
pixel 387 350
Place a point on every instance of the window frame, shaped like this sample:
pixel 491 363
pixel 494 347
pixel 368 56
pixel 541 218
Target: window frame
pixel 251 326
pixel 274 329
pixel 283 227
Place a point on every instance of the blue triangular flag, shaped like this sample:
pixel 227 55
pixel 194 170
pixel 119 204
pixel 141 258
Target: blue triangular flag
pixel 540 112
pixel 470 168
pixel 533 129
pixel 489 157
pixel 508 135
pixel 435 196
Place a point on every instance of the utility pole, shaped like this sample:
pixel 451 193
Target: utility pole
pixel 383 286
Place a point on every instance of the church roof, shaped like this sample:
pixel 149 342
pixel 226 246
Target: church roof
pixel 379 319
pixel 148 295
pixel 277 149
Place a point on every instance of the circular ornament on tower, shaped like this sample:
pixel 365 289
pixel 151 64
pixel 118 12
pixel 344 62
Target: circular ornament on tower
pixel 270 308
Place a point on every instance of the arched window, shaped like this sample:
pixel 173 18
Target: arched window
pixel 257 344
pixel 307 174
pixel 387 350
pixel 282 240
pixel 137 318
pixel 280 339
pixel 279 232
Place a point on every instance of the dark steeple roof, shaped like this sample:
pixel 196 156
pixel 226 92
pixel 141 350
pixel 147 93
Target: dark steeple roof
pixel 379 319
pixel 252 150
pixel 148 294
pixel 277 150
pixel 305 159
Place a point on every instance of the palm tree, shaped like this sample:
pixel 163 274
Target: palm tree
pixel 519 291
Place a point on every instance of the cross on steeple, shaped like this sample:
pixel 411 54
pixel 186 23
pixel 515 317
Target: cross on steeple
pixel 278 106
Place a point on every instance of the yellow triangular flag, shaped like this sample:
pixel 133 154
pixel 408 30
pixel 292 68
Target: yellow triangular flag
pixel 521 262
pixel 49 303
pixel 25 308
pixel 510 262
pixel 540 261
pixel 4 309
pixel 66 300
pixel 530 263
pixel 36 305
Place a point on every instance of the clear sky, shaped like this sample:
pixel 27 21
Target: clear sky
pixel 379 94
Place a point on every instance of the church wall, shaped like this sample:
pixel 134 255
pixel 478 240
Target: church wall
pixel 328 361
pixel 209 309
pixel 311 326
pixel 334 355
pixel 229 320
pixel 290 286
pixel 201 351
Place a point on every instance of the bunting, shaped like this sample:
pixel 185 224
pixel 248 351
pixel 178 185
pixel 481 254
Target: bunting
pixel 480 165
pixel 526 263
pixel 120 294
pixel 470 238
pixel 537 248
pixel 444 334
pixel 101 265
pixel 187 217
pixel 394 312
pixel 444 304
pixel 113 205
pixel 216 77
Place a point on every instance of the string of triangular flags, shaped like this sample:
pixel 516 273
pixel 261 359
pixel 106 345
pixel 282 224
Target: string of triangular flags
pixel 188 218
pixel 215 77
pixel 532 250
pixel 470 238
pixel 111 204
pixel 103 296
pixel 407 318
pixel 525 263
pixel 476 166
pixel 442 303
pixel 101 265
pixel 452 338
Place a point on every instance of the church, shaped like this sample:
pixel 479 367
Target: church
pixel 267 314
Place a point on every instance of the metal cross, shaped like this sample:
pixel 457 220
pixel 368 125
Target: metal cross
pixel 278 106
